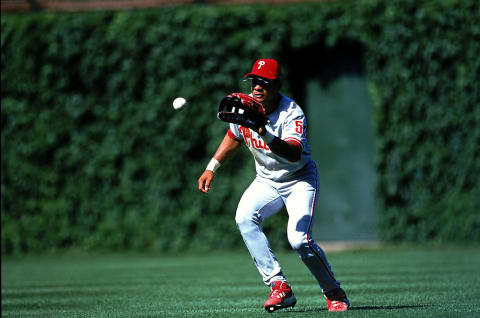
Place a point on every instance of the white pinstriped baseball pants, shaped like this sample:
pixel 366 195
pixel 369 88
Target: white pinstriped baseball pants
pixel 262 199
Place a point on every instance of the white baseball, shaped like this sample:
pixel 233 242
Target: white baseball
pixel 179 103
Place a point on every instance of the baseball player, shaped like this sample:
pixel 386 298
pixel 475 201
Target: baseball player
pixel 273 127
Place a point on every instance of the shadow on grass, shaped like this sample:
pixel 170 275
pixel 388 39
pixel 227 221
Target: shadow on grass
pixel 389 307
pixel 362 308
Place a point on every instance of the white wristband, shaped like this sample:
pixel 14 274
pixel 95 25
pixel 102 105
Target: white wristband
pixel 213 165
pixel 268 138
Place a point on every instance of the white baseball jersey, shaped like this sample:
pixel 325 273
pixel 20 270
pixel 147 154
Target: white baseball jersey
pixel 288 123
pixel 282 183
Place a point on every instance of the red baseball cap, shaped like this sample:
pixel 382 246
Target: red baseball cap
pixel 265 68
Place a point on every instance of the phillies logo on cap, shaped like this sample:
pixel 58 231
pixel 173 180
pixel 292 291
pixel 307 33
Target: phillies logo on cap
pixel 266 68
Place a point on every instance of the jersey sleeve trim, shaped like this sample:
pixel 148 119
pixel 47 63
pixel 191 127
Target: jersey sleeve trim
pixel 232 135
pixel 294 140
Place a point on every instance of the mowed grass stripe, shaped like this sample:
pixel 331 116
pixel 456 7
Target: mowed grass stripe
pixel 404 282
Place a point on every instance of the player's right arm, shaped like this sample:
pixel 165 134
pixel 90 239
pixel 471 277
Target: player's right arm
pixel 225 151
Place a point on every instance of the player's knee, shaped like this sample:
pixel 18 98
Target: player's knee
pixel 245 219
pixel 239 220
pixel 297 241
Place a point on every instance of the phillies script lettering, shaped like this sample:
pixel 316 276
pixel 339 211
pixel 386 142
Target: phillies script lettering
pixel 250 141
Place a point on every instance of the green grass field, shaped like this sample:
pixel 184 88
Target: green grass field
pixel 388 282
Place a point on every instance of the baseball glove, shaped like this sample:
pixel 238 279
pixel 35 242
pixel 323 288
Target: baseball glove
pixel 242 109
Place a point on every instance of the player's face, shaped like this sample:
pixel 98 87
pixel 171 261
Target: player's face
pixel 264 92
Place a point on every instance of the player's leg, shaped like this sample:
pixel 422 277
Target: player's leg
pixel 300 201
pixel 259 202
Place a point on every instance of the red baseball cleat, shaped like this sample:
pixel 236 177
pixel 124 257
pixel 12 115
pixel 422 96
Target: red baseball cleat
pixel 337 300
pixel 280 297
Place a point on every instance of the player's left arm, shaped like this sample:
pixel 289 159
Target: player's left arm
pixel 290 150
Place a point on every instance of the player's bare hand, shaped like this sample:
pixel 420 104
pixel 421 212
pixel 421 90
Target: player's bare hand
pixel 205 180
